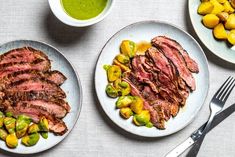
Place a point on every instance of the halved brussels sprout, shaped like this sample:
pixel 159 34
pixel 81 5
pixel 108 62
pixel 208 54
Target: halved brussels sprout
pixel 149 125
pixel 124 101
pixel 137 105
pixel 12 140
pixel 9 114
pixel 111 91
pixel 128 48
pixel 10 124
pixel 44 134
pixel 122 87
pixel 122 66
pixel 22 124
pixel 126 112
pixel 123 59
pixel 114 72
pixel 142 119
pixel 43 124
pixel 33 129
pixel 3 134
pixel 31 139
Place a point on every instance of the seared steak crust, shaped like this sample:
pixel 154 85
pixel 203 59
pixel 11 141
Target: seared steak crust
pixel 28 86
pixel 162 78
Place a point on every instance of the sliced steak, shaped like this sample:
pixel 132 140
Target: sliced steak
pixel 24 54
pixel 172 54
pixel 36 84
pixel 56 125
pixel 36 95
pixel 191 64
pixel 160 61
pixel 51 107
pixel 41 65
pixel 54 76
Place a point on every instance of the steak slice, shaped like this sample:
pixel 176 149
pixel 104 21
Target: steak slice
pixel 39 65
pixel 191 64
pixel 172 54
pixel 54 76
pixel 36 95
pixel 141 74
pixel 56 125
pixel 24 54
pixel 51 107
pixel 36 84
pixel 160 61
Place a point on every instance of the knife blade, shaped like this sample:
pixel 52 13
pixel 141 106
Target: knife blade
pixel 194 136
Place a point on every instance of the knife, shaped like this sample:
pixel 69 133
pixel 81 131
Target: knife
pixel 194 136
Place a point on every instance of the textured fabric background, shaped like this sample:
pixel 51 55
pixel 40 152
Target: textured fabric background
pixel 95 135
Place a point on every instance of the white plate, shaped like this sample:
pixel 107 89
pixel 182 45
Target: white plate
pixel 146 31
pixel 71 86
pixel 219 48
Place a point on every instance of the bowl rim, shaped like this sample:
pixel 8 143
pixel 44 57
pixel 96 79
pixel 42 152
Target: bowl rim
pixel 83 23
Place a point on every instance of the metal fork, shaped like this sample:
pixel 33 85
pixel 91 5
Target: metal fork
pixel 216 105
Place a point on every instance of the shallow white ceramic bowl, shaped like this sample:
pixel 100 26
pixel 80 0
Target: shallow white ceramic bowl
pixel 146 31
pixel 59 12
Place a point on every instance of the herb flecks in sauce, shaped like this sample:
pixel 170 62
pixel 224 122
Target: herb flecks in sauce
pixel 83 9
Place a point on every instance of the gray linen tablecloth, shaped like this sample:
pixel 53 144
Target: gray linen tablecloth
pixel 94 134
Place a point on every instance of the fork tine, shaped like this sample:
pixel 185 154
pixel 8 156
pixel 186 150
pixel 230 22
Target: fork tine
pixel 226 88
pixel 227 93
pixel 221 89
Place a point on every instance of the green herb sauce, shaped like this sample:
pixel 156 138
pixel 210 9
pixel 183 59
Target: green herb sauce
pixel 83 9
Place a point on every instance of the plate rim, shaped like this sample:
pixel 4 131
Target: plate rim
pixel 207 69
pixel 202 40
pixel 80 91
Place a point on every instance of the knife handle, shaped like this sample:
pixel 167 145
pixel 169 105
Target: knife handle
pixel 180 148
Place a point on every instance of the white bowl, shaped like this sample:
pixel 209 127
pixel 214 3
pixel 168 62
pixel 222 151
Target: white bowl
pixel 59 12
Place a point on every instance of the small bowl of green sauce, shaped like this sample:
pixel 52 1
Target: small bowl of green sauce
pixel 81 13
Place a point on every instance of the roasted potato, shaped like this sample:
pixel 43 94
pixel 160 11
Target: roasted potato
pixel 210 20
pixel 205 8
pixel 220 32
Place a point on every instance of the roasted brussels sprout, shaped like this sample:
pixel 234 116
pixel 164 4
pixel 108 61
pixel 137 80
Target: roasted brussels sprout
pixel 106 67
pixel 126 112
pixel 1 119
pixel 33 128
pixel 30 140
pixel 142 119
pixel 149 125
pixel 3 134
pixel 137 105
pixel 44 134
pixel 128 48
pixel 10 124
pixel 114 73
pixel 123 59
pixel 1 114
pixel 12 140
pixel 122 87
pixel 111 91
pixel 22 124
pixel 124 101
pixel 122 66
pixel 9 114
pixel 43 124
